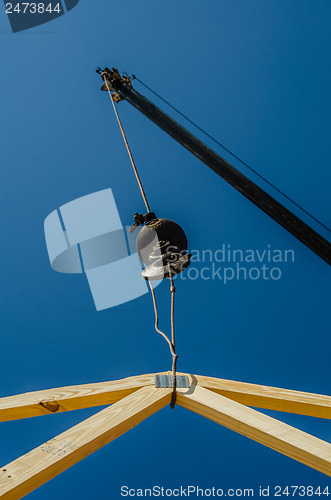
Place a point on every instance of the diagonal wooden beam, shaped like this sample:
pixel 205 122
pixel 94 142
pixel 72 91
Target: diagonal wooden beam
pixel 261 428
pixel 272 398
pixel 32 404
pixel 88 395
pixel 53 457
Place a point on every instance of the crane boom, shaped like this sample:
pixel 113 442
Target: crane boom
pixel 123 90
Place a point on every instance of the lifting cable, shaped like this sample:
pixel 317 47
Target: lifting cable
pixel 172 286
pixel 171 343
pixel 173 340
pixel 128 149
pixel 133 77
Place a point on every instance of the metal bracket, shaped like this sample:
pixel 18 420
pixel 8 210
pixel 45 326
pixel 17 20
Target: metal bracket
pixel 166 381
pixel 112 76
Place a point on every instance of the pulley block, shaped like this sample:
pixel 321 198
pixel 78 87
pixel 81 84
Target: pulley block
pixel 161 245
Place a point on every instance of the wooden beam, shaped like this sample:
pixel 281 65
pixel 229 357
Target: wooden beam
pixel 53 457
pixel 272 398
pixel 261 428
pixel 48 401
pixel 32 404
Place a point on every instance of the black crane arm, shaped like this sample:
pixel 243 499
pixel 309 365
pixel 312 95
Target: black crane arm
pixel 123 90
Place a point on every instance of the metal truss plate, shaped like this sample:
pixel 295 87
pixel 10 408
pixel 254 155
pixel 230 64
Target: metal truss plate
pixel 167 381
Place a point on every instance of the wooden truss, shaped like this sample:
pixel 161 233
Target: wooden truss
pixel 135 398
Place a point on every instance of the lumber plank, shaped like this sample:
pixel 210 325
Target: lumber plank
pixel 266 430
pixel 30 471
pixel 45 402
pixel 272 398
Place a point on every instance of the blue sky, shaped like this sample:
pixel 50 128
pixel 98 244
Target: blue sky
pixel 256 76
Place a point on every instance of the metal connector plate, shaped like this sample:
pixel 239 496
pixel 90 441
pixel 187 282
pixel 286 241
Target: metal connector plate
pixel 167 381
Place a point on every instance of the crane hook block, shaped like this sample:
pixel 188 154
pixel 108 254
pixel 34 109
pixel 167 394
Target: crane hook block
pixel 162 246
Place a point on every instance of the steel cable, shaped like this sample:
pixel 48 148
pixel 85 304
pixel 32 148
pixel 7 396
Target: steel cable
pixel 172 286
pixel 171 343
pixel 128 149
